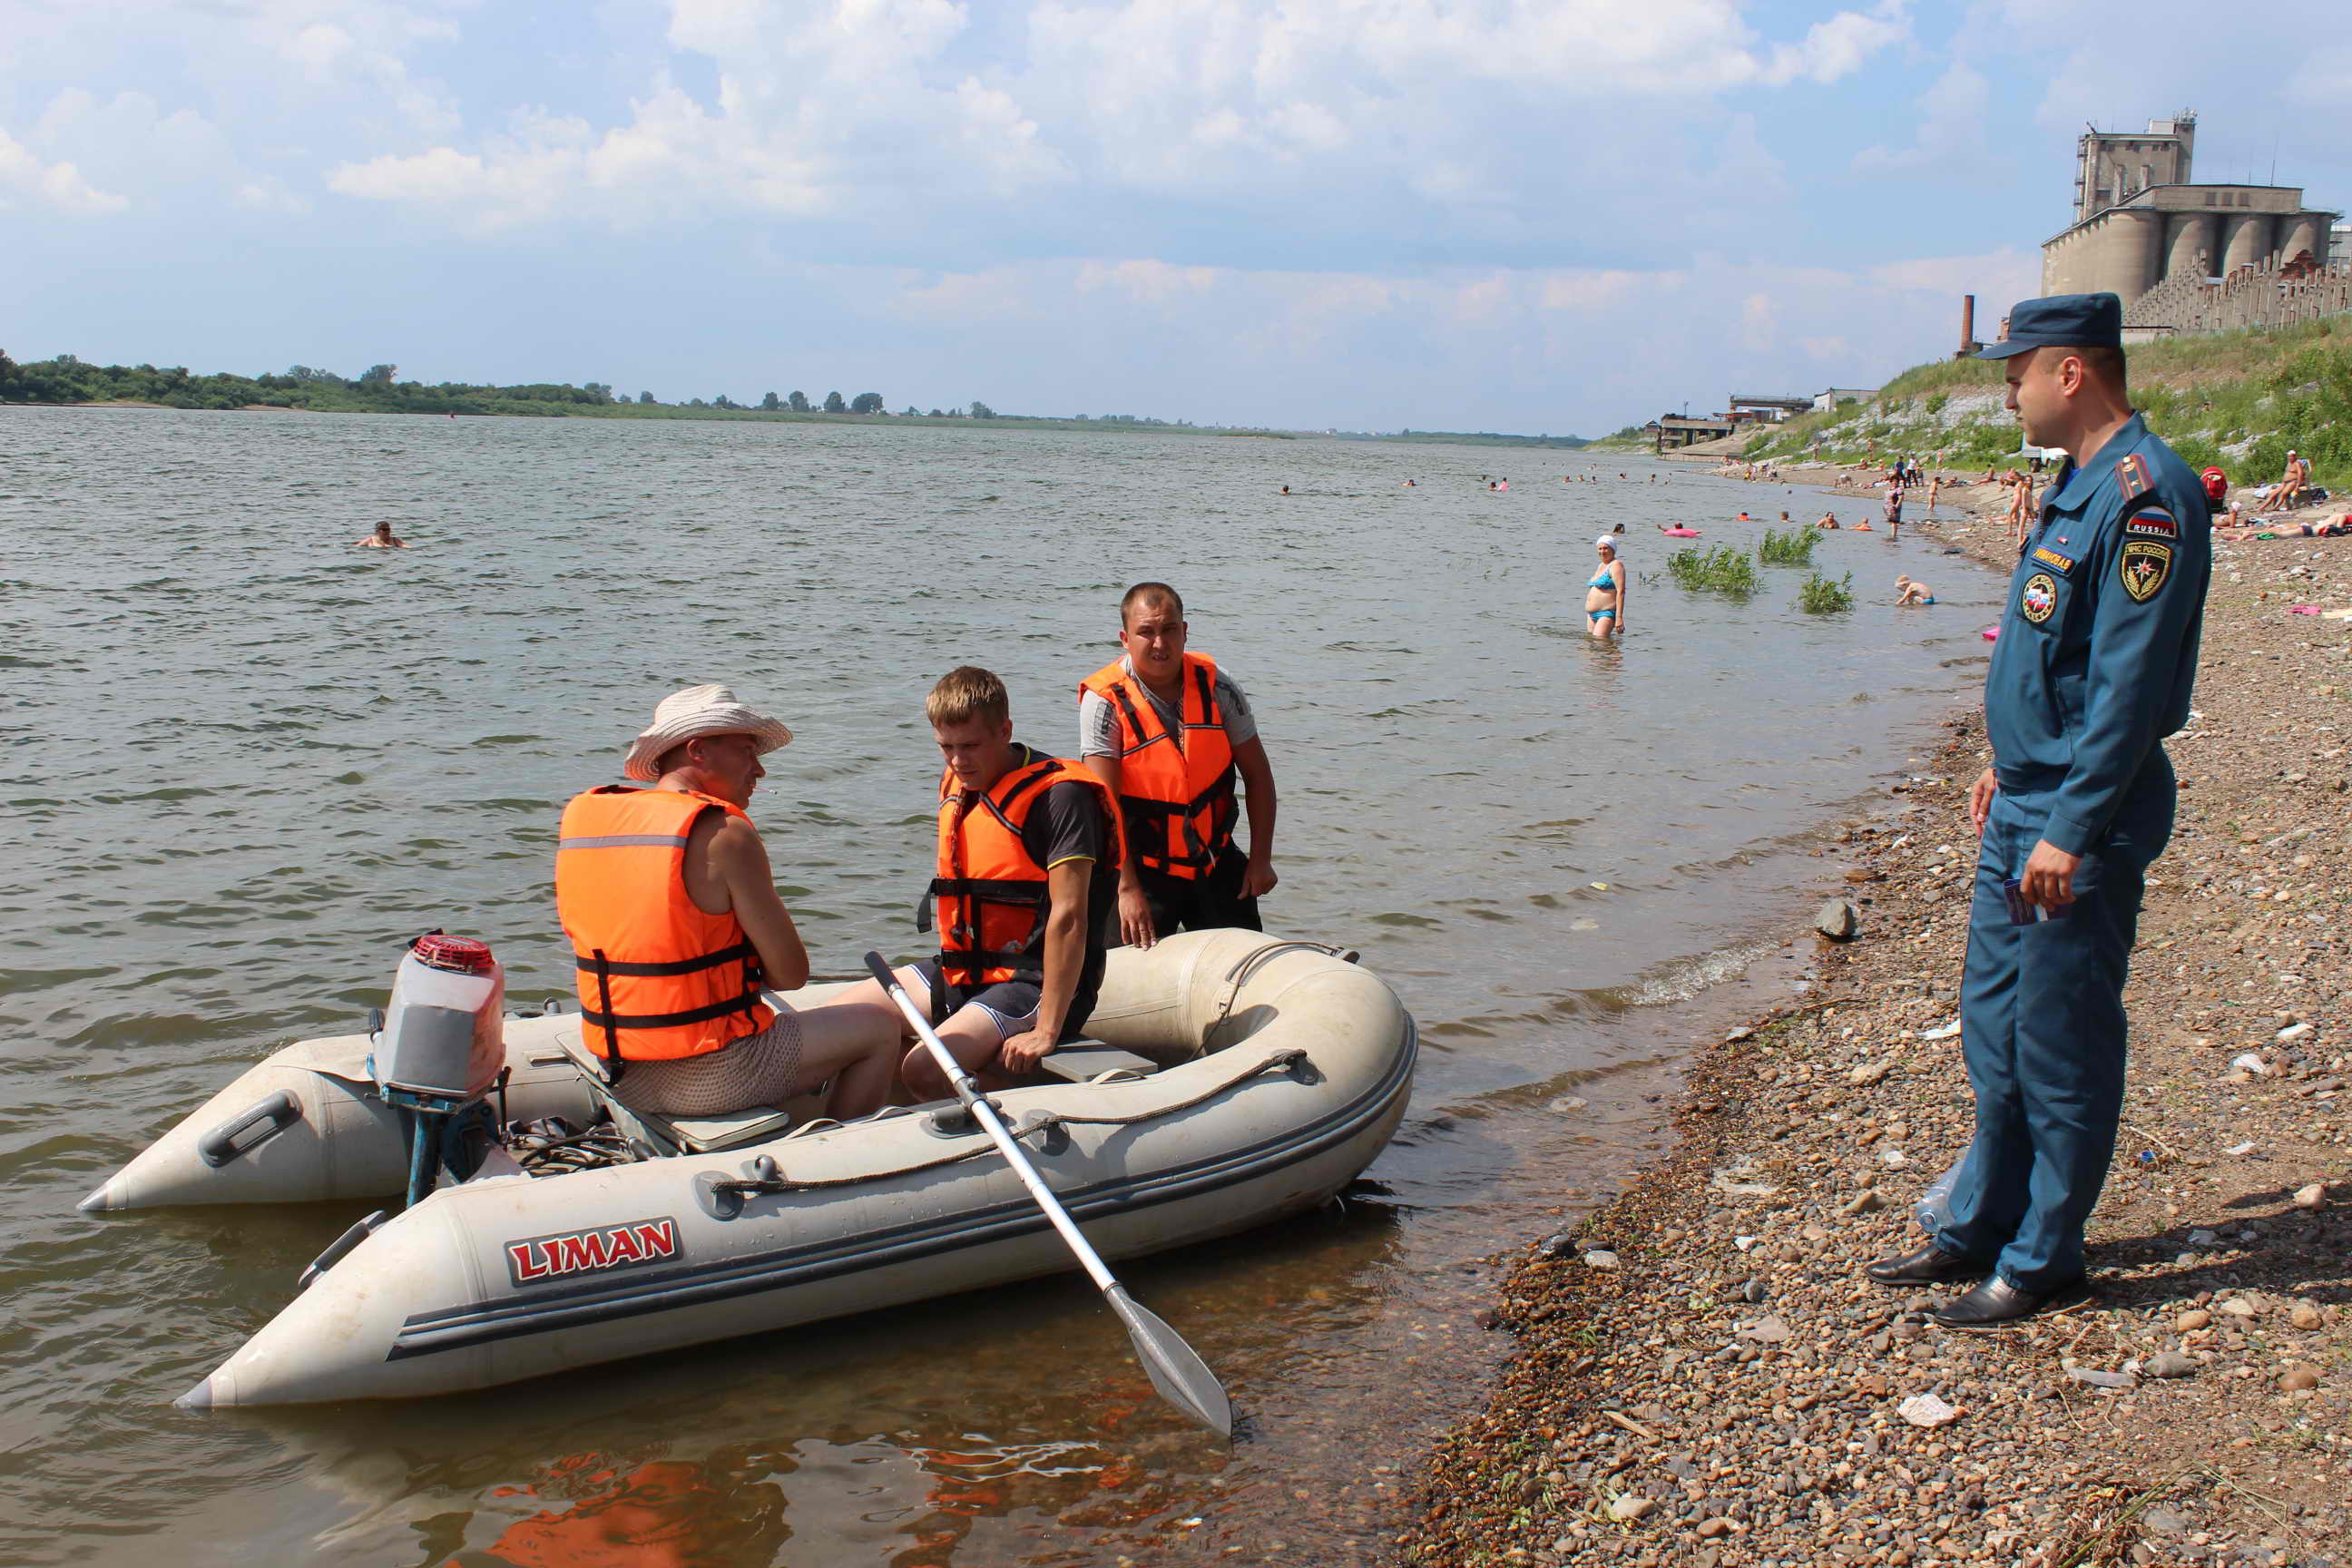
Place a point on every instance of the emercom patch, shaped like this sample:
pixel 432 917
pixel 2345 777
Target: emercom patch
pixel 2144 567
pixel 2039 597
pixel 2062 564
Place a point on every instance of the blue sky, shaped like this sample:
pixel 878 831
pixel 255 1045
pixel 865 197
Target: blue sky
pixel 1371 214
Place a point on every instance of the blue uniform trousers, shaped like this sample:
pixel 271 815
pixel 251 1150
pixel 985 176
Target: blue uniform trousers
pixel 2042 1030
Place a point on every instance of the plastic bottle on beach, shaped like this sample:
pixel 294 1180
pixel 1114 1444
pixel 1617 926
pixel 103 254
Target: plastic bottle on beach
pixel 1934 1209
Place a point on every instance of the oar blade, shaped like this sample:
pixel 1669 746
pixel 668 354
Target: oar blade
pixel 1181 1378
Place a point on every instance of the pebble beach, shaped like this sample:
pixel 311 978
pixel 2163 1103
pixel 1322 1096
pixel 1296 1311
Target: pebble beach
pixel 1702 1375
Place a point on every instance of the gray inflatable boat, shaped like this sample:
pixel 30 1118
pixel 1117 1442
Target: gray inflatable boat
pixel 1233 1078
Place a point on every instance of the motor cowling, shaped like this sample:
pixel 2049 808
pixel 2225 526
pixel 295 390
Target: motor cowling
pixel 442 1038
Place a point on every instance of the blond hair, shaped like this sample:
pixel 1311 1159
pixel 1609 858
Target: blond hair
pixel 965 693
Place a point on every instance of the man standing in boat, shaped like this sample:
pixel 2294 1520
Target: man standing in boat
pixel 1028 851
pixel 676 927
pixel 1167 732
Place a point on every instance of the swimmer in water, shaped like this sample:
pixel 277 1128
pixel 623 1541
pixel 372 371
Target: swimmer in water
pixel 1906 592
pixel 381 538
pixel 1285 489
pixel 1828 520
pixel 1604 595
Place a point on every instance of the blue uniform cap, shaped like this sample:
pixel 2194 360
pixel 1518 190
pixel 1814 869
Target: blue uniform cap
pixel 2062 321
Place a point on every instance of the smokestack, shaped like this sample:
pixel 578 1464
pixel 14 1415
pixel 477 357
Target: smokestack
pixel 1967 323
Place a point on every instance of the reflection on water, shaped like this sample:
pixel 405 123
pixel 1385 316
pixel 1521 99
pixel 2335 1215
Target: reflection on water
pixel 257 761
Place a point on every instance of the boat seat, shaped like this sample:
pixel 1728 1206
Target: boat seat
pixel 1080 1060
pixel 687 1134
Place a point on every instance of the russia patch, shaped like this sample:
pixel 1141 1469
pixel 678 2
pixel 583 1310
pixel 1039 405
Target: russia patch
pixel 2152 525
pixel 2061 565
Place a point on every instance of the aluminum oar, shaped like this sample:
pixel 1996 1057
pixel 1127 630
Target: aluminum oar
pixel 1179 1375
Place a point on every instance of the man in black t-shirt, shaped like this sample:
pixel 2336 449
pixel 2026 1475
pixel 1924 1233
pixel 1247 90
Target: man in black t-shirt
pixel 1010 814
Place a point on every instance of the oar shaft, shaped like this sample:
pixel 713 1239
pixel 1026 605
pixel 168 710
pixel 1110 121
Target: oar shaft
pixel 985 1114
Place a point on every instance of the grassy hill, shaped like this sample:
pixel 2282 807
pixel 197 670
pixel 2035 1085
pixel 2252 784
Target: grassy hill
pixel 2241 399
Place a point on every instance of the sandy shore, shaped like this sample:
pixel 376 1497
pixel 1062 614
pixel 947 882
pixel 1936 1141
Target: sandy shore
pixel 1704 1376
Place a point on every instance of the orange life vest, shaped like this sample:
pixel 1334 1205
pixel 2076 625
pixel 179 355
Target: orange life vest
pixel 989 893
pixel 659 978
pixel 1178 800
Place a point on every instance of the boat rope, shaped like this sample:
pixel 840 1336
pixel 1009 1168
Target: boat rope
pixel 1046 1122
pixel 1243 970
pixel 553 1147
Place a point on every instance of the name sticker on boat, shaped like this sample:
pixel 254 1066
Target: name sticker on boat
pixel 631 1244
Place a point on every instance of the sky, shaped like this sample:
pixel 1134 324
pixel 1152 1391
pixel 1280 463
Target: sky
pixel 1554 217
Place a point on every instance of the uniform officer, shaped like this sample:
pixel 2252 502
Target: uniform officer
pixel 2092 668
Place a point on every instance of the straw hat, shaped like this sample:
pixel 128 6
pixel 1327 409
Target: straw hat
pixel 699 710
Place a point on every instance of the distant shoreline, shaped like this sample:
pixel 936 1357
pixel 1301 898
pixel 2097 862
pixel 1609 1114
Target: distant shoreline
pixel 815 416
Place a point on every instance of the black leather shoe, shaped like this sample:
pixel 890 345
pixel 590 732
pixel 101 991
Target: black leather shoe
pixel 1931 1265
pixel 1997 1302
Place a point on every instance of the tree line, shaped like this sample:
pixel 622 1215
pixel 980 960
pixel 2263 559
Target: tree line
pixel 380 390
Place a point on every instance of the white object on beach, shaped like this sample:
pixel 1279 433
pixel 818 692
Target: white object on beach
pixel 1927 1410
pixel 1941 1031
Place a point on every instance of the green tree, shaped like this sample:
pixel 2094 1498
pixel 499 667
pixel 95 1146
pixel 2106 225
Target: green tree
pixel 980 410
pixel 834 404
pixel 911 413
pixel 798 403
pixel 723 401
pixel 771 403
pixel 380 376
pixel 867 403
pixel 645 398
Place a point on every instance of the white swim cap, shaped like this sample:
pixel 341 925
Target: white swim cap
pixel 1606 542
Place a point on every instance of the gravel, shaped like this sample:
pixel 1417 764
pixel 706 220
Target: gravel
pixel 1653 1415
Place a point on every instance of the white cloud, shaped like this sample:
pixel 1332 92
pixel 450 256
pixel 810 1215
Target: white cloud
pixel 853 108
pixel 58 186
pixel 1951 124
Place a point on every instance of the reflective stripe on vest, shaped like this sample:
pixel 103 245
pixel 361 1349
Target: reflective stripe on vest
pixel 659 979
pixel 1177 799
pixel 989 893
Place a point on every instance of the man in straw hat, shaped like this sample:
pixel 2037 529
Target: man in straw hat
pixel 677 929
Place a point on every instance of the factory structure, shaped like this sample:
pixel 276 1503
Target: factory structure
pixel 2190 257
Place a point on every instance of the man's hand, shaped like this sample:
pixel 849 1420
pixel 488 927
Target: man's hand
pixel 1021 1053
pixel 1258 878
pixel 1980 800
pixel 1135 916
pixel 2049 878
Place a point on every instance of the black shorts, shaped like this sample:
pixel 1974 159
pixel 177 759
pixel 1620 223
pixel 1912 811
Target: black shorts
pixel 1202 903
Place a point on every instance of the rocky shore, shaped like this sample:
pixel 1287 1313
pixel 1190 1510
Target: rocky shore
pixel 1703 1375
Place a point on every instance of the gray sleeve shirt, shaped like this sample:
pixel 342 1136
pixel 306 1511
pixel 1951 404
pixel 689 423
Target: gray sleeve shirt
pixel 1099 720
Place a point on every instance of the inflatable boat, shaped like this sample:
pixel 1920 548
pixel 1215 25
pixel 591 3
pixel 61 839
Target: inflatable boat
pixel 1231 1079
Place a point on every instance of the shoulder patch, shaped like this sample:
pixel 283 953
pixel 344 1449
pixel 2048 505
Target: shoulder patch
pixel 2151 523
pixel 2132 474
pixel 2144 567
pixel 2062 564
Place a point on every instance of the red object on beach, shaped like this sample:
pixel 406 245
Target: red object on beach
pixel 1991 634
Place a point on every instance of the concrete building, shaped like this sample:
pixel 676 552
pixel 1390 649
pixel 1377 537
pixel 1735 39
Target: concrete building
pixel 2141 223
pixel 1826 401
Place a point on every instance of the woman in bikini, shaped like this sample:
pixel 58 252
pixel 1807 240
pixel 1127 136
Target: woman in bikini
pixel 1604 597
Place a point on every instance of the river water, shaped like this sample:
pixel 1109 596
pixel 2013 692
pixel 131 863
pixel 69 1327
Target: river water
pixel 244 761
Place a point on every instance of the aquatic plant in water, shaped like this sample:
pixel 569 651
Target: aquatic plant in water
pixel 1723 570
pixel 1794 547
pixel 1817 595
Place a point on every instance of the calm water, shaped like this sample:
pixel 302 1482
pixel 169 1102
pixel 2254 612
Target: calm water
pixel 243 762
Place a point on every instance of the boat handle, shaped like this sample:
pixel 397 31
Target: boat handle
pixel 341 1247
pixel 220 1145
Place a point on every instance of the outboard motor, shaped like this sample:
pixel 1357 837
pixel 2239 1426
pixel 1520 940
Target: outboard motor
pixel 440 1050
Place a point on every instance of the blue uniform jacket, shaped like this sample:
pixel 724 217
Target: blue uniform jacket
pixel 2097 649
